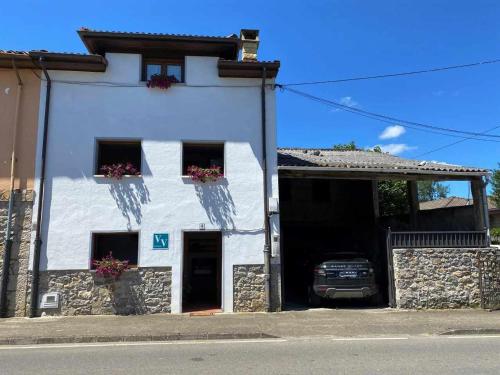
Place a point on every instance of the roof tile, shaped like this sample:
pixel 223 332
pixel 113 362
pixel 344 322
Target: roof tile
pixel 369 160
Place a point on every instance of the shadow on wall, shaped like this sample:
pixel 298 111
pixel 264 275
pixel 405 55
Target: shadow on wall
pixel 218 203
pixel 129 197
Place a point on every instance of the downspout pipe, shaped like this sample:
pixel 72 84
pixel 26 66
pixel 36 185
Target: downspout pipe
pixel 8 235
pixel 38 239
pixel 267 234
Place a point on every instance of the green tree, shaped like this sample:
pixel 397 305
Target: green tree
pixel 495 182
pixel 392 197
pixel 351 146
pixel 432 190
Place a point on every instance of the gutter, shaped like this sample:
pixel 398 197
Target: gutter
pixel 8 240
pixel 38 240
pixel 267 247
pixel 398 171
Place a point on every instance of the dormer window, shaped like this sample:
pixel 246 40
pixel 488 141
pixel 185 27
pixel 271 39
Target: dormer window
pixel 167 67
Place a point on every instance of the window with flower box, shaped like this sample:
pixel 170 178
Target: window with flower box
pixel 165 67
pixel 202 155
pixel 123 246
pixel 112 153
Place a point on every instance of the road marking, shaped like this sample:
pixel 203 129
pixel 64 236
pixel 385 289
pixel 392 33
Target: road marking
pixel 369 338
pixel 471 337
pixel 139 343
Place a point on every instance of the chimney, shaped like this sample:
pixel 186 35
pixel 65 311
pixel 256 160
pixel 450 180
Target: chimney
pixel 249 44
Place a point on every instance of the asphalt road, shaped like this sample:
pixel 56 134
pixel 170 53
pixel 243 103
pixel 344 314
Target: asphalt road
pixel 378 355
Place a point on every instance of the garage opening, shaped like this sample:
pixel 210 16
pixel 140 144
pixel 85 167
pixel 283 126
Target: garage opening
pixel 326 219
pixel 202 271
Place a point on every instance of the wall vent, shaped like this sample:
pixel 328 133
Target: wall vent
pixel 50 301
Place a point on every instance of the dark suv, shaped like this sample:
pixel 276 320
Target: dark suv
pixel 344 275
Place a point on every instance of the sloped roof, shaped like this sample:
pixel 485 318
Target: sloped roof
pixel 102 41
pixel 445 202
pixel 368 161
pixel 53 60
pixel 453 202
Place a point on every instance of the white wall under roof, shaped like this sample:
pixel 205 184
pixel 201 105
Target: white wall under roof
pixel 77 203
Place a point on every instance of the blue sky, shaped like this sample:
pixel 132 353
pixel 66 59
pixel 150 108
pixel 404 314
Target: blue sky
pixel 319 40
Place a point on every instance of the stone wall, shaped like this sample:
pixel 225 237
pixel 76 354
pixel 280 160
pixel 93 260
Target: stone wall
pixel 249 288
pixel 439 278
pixel 138 291
pixel 21 235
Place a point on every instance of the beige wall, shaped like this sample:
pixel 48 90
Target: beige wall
pixel 27 127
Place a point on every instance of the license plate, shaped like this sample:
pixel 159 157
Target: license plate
pixel 348 273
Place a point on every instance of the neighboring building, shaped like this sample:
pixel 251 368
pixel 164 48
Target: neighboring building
pixel 19 100
pixel 191 245
pixel 449 202
pixel 19 114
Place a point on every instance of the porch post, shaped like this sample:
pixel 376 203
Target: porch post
pixel 412 194
pixel 481 219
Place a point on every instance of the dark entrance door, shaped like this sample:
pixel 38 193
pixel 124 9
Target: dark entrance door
pixel 202 271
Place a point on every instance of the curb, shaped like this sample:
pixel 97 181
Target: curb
pixel 474 331
pixel 133 338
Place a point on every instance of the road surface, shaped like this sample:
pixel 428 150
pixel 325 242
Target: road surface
pixel 314 355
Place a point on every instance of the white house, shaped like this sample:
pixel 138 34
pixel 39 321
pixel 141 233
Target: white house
pixel 191 245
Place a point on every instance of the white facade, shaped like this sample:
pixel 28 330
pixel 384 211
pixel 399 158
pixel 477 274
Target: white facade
pixel 116 105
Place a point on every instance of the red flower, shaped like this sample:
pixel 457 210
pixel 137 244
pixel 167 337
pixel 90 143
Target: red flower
pixel 204 174
pixel 119 170
pixel 161 81
pixel 109 267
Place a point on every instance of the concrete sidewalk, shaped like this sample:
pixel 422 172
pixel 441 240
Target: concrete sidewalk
pixel 318 322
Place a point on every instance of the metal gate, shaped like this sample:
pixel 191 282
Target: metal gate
pixel 489 282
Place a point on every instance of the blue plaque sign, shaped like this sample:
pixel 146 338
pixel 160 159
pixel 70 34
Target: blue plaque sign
pixel 160 241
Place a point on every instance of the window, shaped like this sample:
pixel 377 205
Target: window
pixel 203 155
pixel 114 152
pixel 320 190
pixel 123 246
pixel 160 66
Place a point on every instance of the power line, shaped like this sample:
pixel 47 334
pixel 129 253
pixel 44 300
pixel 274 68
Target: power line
pixel 452 144
pixel 363 78
pixel 392 120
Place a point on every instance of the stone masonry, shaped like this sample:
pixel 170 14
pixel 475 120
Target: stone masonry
pixel 21 235
pixel 439 278
pixel 138 291
pixel 249 288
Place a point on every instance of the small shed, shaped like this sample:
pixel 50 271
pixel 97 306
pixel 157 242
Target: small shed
pixel 329 201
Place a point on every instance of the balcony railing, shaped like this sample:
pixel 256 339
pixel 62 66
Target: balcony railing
pixel 459 239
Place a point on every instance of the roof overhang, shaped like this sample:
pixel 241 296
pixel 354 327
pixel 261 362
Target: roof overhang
pixel 376 173
pixel 247 69
pixel 157 45
pixel 53 61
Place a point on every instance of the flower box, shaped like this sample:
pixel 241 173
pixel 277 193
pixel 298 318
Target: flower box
pixel 117 171
pixel 199 174
pixel 161 81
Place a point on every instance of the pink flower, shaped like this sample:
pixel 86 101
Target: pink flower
pixel 117 171
pixel 204 174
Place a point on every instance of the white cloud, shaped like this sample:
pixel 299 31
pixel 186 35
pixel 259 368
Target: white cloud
pixel 392 131
pixel 348 101
pixel 397 148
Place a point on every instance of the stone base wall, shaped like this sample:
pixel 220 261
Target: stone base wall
pixel 21 237
pixel 439 278
pixel 138 291
pixel 249 288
